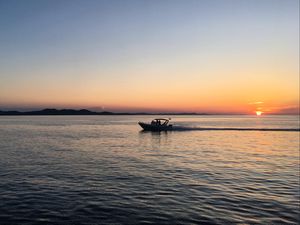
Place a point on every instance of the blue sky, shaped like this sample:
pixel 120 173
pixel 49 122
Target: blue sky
pixel 89 53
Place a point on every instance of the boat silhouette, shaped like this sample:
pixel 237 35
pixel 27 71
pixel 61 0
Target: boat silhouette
pixel 159 124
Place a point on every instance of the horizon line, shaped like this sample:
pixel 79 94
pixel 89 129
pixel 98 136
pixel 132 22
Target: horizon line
pixel 47 111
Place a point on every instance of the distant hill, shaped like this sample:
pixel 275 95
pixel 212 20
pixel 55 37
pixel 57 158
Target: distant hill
pixel 50 112
pixel 54 112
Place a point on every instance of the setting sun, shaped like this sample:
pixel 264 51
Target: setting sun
pixel 258 113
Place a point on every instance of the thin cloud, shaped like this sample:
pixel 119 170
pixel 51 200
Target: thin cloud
pixel 255 103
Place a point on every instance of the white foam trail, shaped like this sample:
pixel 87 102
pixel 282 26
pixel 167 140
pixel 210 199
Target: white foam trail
pixel 181 128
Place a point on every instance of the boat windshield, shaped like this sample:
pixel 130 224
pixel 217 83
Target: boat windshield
pixel 160 122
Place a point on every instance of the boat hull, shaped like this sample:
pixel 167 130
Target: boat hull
pixel 149 127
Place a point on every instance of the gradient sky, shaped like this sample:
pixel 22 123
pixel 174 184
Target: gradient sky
pixel 160 55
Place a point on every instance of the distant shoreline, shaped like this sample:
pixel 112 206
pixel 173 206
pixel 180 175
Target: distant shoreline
pixel 82 112
pixel 85 112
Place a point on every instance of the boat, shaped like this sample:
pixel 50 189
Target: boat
pixel 159 124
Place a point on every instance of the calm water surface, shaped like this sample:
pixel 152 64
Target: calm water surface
pixel 103 170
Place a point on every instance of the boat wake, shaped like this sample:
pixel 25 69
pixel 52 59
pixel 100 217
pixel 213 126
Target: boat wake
pixel 182 128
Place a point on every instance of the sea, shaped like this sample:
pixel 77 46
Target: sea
pixel 105 170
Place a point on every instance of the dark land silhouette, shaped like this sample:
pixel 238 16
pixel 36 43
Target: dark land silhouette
pixel 81 112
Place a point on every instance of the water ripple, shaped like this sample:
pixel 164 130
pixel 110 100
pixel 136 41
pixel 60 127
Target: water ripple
pixel 82 171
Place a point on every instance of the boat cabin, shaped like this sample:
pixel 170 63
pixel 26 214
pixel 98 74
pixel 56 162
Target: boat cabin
pixel 160 122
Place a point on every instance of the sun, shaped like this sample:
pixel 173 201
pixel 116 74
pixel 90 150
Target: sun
pixel 258 113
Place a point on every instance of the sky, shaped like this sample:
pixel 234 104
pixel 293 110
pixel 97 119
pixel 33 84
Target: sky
pixel 217 56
